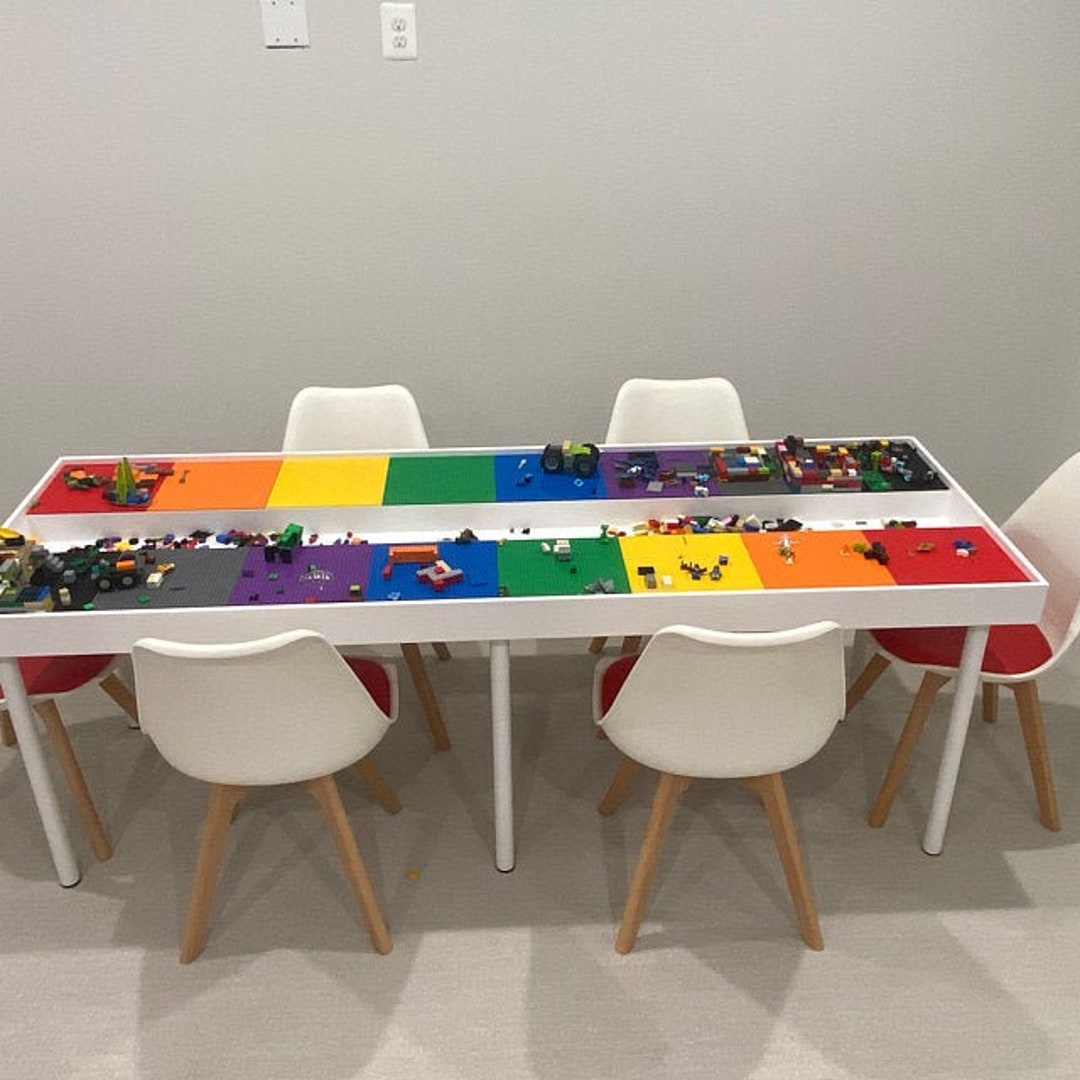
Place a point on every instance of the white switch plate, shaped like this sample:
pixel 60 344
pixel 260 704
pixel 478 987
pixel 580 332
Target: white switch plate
pixel 398 31
pixel 285 23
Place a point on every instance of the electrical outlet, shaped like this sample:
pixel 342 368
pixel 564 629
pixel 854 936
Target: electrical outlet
pixel 398 31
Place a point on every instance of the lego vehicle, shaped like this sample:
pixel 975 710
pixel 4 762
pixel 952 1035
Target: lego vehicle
pixel 81 480
pixel 580 459
pixel 120 572
pixel 281 547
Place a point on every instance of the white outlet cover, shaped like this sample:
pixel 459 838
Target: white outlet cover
pixel 398 31
pixel 285 24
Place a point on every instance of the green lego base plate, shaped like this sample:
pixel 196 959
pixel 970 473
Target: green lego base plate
pixel 414 481
pixel 525 569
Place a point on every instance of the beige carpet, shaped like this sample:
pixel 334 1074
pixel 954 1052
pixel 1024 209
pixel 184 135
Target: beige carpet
pixel 960 966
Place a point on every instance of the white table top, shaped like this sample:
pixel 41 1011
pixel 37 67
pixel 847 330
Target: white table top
pixel 509 618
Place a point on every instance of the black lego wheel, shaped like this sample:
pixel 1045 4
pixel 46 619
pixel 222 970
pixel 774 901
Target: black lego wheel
pixel 585 465
pixel 551 458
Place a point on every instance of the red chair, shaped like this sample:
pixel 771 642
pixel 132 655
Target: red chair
pixel 48 678
pixel 1045 529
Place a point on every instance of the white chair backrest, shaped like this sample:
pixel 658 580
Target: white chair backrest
pixel 677 410
pixel 713 703
pixel 344 419
pixel 275 711
pixel 1046 528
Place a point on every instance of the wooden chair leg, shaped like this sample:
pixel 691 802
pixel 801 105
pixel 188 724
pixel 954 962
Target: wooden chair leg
pixel 619 786
pixel 630 645
pixel 376 782
pixel 325 792
pixel 441 650
pixel 663 810
pixel 870 675
pixel 430 703
pixel 122 695
pixel 245 794
pixel 65 753
pixel 909 737
pixel 7 729
pixel 990 701
pixel 224 799
pixel 1031 723
pixel 778 811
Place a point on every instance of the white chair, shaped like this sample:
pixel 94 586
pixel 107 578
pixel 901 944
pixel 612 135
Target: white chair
pixel 286 709
pixel 337 419
pixel 48 680
pixel 677 410
pixel 1045 528
pixel 673 411
pixel 711 704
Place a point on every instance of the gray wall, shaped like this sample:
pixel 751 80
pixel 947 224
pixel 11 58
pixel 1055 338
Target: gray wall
pixel 866 215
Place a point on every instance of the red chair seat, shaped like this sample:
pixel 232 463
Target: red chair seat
pixel 612 678
pixel 1011 650
pixel 47 676
pixel 375 679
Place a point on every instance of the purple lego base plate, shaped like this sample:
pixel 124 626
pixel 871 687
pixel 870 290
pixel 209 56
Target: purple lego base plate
pixel 319 574
pixel 677 461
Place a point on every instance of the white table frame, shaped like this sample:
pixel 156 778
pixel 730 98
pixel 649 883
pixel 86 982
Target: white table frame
pixel 500 621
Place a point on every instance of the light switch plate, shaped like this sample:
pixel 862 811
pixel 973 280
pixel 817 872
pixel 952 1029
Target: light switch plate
pixel 285 24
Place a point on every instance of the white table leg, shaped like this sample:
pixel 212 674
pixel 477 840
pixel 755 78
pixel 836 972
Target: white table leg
pixel 22 719
pixel 501 755
pixel 967 682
